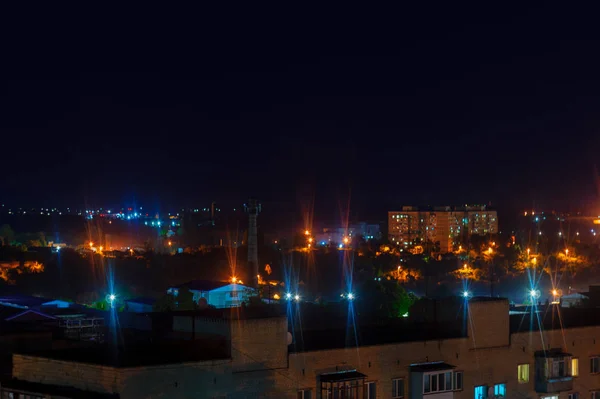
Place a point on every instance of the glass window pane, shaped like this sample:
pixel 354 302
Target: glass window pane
pixel 480 392
pixel 371 391
pixel 434 385
pixel 441 382
pixel 458 380
pixel 575 367
pixel 448 381
pixel 426 383
pixel 500 389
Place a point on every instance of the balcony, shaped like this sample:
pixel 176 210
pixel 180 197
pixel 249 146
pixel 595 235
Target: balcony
pixel 554 385
pixel 553 372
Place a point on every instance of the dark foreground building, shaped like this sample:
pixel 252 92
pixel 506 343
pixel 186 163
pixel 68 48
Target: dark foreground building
pixel 528 355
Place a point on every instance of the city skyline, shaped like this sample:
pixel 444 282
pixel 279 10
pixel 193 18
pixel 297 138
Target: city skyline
pixel 462 118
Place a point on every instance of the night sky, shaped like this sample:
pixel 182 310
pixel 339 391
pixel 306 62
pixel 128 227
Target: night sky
pixel 407 109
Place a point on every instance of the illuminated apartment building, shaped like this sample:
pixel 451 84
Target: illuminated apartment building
pixel 446 226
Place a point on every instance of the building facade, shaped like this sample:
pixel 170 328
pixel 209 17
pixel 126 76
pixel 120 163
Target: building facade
pixel 336 235
pixel 219 294
pixel 445 226
pixel 490 361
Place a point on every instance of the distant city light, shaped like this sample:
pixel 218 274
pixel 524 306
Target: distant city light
pixel 466 294
pixel 534 294
pixel 112 297
pixel 288 296
pixel 350 296
pixel 297 297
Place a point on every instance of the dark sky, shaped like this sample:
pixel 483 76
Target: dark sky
pixel 387 108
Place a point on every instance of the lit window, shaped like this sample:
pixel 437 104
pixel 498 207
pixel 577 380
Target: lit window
pixel 523 373
pixel 398 388
pixel 500 390
pixel 595 365
pixel 304 394
pixel 575 367
pixel 480 392
pixel 371 390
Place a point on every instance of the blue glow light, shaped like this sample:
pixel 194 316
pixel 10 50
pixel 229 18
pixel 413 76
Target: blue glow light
pixel 466 294
pixel 288 296
pixel 340 246
pixel 350 296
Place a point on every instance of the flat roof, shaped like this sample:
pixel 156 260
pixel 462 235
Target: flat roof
pixel 146 354
pixel 370 334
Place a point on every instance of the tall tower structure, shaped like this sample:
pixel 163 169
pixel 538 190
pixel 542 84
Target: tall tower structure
pixel 252 208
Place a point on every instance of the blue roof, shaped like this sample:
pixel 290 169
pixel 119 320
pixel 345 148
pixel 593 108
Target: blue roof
pixel 23 300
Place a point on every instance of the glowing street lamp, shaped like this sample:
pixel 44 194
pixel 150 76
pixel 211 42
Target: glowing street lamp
pixel 297 298
pixel 234 279
pixel 170 243
pixel 346 240
pixel 288 296
pixel 466 294
pixel 567 252
pixel 528 250
pixel 534 294
pixel 306 232
pixel 91 244
pixel 350 296
pixel 111 299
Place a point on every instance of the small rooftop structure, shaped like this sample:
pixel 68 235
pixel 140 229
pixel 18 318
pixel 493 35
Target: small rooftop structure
pixel 216 293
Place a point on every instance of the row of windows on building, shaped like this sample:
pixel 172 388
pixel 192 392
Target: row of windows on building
pixel 432 383
pixel 453 381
